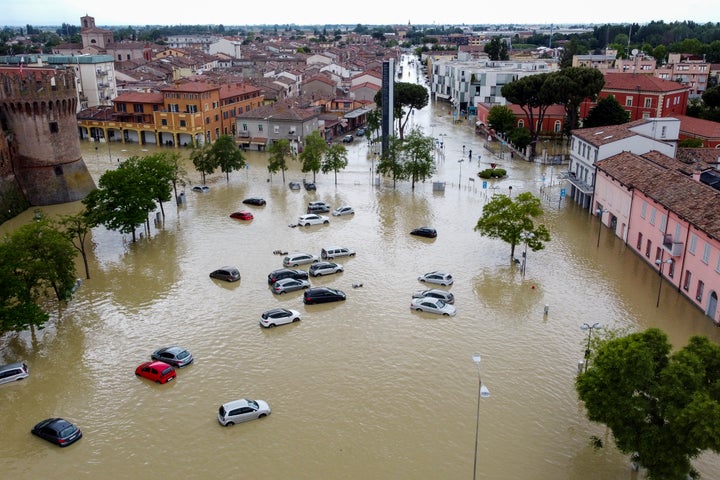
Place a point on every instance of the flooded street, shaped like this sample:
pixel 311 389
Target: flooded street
pixel 363 389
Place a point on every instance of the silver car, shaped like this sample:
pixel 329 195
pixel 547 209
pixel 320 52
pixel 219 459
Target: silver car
pixel 14 371
pixel 241 411
pixel 432 305
pixel 295 259
pixel 324 268
pixel 289 285
pixel 441 278
pixel 443 295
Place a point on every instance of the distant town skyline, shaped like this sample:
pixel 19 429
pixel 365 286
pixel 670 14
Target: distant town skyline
pixel 369 12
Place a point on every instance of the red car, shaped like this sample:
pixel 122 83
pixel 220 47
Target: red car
pixel 158 372
pixel 242 215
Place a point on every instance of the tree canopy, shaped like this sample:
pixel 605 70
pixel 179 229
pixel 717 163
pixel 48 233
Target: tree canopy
pixel 334 159
pixel 501 119
pixel 662 408
pixel 226 155
pixel 407 97
pixel 607 111
pixel 511 220
pixel 312 154
pixel 534 94
pixel 279 152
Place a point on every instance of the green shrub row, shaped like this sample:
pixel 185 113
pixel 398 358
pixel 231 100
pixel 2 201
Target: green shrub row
pixel 492 173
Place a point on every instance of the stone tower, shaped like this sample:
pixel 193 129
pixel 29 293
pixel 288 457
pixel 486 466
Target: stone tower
pixel 37 116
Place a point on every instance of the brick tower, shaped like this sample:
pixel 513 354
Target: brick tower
pixel 38 117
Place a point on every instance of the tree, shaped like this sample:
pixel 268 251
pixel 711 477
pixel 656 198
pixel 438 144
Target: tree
pixel 418 163
pixel 312 154
pixel 279 150
pixel 203 161
pixel 573 85
pixel 405 95
pixel 497 49
pixel 662 408
pixel 76 229
pixel 121 202
pixel 534 95
pixel 501 118
pixel 335 159
pixel 157 173
pixel 607 111
pixel 511 220
pixel 225 154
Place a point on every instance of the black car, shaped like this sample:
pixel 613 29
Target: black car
pixel 310 186
pixel 425 232
pixel 254 201
pixel 228 273
pixel 57 431
pixel 322 295
pixel 276 275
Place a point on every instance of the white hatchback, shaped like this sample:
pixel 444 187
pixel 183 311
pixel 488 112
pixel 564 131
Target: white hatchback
pixel 440 278
pixel 432 305
pixel 295 259
pixel 241 411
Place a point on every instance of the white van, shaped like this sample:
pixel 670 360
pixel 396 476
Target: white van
pixel 332 252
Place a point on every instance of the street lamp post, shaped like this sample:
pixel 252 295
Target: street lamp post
pixel 660 262
pixel 526 236
pixel 589 328
pixel 599 212
pixel 483 392
pixel 460 174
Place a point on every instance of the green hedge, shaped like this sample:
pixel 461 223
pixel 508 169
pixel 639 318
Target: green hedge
pixel 493 173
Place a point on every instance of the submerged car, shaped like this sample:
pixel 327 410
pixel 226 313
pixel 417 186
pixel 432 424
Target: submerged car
pixel 254 201
pixel 227 273
pixel 348 139
pixel 241 411
pixel 324 268
pixel 332 252
pixel 294 185
pixel 158 372
pixel 344 210
pixel 176 356
pixel 440 278
pixel 279 316
pixel 318 207
pixel 443 295
pixel 58 431
pixel 322 295
pixel 360 132
pixel 13 372
pixel 242 215
pixel 201 188
pixel 276 275
pixel 432 305
pixel 289 285
pixel 295 259
pixel 427 232
pixel 312 219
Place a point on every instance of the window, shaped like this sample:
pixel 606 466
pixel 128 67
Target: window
pixel 163 122
pixel 706 253
pixel 717 267
pixel 628 101
pixel 686 284
pixel 652 216
pixel 183 123
pixel 671 270
pixel 276 129
pixel 648 247
pixel 558 126
pixel 639 241
pixel 663 222
pixel 54 127
pixel 260 127
pixel 643 212
pixel 699 293
pixel 693 243
pixel 658 256
pixel 678 231
pixel 648 102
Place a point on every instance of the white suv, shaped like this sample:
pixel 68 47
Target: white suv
pixel 332 252
pixel 312 219
pixel 13 371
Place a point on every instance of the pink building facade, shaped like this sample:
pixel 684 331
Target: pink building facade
pixel 663 211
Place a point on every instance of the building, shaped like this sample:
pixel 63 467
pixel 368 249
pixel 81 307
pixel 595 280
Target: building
pixel 288 120
pixel 665 210
pixel 590 145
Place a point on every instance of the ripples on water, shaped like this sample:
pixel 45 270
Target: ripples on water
pixel 360 389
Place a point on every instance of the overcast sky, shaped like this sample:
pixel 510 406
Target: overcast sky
pixel 366 12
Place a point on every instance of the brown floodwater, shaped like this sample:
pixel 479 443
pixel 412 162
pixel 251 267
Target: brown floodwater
pixel 364 389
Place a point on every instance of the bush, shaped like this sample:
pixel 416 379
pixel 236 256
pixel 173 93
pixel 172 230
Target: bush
pixel 493 173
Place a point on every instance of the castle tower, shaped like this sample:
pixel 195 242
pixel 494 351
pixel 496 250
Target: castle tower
pixel 37 114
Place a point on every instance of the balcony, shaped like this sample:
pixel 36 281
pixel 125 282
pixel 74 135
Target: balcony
pixel 581 185
pixel 674 249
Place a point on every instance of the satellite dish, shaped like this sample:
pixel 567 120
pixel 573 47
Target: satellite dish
pixel 635 51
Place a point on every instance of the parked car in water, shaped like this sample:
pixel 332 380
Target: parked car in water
pixel 289 285
pixel 310 186
pixel 227 273
pixel 279 316
pixel 344 210
pixel 294 185
pixel 360 132
pixel 427 232
pixel 332 252
pixel 13 372
pixel 318 207
pixel 443 295
pixel 324 268
pixel 440 278
pixel 242 215
pixel 175 356
pixel 241 411
pixel 201 188
pixel 295 259
pixel 158 372
pixel 432 305
pixel 347 139
pixel 255 201
pixel 279 274
pixel 312 219
pixel 322 295
pixel 58 431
